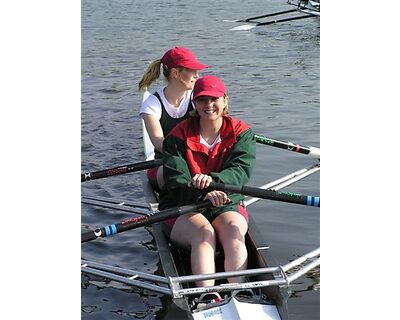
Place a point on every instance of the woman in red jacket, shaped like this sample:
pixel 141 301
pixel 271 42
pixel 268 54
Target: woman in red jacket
pixel 210 146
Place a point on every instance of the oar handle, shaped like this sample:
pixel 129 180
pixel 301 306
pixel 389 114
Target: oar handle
pixel 290 146
pixel 268 194
pixel 142 221
pixel 121 170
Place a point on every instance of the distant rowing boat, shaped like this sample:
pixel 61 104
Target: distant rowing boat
pixel 307 8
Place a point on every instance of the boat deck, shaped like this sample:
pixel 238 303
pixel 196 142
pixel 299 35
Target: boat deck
pixel 175 262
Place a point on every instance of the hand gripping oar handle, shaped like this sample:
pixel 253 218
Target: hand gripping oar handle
pixel 267 194
pixel 121 170
pixel 290 146
pixel 142 221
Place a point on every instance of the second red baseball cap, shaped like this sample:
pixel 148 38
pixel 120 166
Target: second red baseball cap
pixel 181 57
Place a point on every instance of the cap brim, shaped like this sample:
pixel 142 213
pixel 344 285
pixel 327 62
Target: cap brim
pixel 194 65
pixel 215 94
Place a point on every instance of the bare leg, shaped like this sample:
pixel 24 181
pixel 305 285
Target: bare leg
pixel 195 233
pixel 160 177
pixel 231 228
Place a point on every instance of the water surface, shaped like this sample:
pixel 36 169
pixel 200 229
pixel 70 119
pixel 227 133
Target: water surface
pixel 272 75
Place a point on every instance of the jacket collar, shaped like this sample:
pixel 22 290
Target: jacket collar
pixel 226 132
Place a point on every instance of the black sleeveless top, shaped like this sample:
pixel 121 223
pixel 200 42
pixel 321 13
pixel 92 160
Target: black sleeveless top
pixel 167 122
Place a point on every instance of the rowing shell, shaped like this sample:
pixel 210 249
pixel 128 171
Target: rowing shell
pixel 261 296
pixel 260 303
pixel 309 7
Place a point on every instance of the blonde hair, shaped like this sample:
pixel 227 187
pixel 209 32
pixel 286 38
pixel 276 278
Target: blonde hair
pixel 226 109
pixel 152 73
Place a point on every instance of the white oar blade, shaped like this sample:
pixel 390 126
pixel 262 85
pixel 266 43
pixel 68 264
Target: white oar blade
pixel 244 27
pixel 315 153
pixel 312 12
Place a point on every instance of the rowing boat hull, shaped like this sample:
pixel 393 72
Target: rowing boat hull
pixel 309 7
pixel 165 253
pixel 260 256
pixel 176 263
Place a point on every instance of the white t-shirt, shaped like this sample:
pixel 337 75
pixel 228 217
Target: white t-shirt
pixel 152 105
pixel 210 147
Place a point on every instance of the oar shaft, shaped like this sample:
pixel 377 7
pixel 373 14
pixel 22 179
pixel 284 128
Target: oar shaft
pixel 267 15
pixel 290 146
pixel 142 221
pixel 268 194
pixel 283 20
pixel 121 170
pixel 314 152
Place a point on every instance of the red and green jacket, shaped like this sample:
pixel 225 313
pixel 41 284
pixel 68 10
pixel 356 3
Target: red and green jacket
pixel 230 162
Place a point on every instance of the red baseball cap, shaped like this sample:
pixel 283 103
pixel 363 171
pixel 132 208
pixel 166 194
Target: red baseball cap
pixel 209 86
pixel 181 57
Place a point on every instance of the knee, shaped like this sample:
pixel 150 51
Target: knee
pixel 206 234
pixel 233 239
pixel 233 231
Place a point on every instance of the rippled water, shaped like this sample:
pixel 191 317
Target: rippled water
pixel 272 75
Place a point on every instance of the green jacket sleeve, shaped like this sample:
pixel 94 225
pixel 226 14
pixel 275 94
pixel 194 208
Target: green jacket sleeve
pixel 176 170
pixel 240 162
pixel 177 176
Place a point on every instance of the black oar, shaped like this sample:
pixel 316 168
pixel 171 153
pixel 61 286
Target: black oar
pixel 312 151
pixel 247 27
pixel 287 145
pixel 266 15
pixel 121 170
pixel 142 221
pixel 267 194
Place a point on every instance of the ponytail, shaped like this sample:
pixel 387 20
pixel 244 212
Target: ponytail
pixel 152 73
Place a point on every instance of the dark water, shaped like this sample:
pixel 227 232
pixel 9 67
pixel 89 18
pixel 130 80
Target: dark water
pixel 272 75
